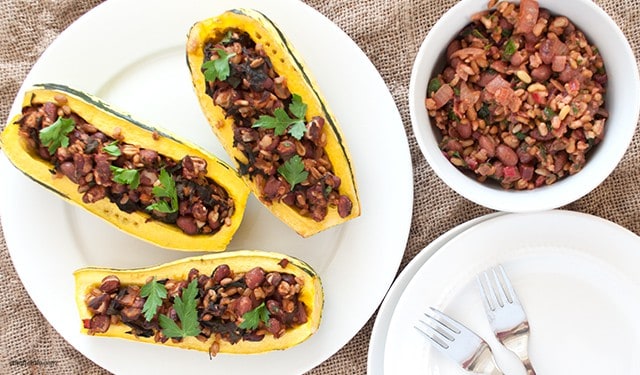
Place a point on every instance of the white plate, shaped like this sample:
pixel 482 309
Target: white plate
pixel 131 53
pixel 575 274
pixel 375 358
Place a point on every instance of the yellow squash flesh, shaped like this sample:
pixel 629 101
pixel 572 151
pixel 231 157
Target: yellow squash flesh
pixel 287 63
pixel 111 121
pixel 241 261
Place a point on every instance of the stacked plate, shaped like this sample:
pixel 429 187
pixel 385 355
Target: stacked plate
pixel 576 276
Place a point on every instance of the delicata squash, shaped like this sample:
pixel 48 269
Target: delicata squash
pixel 239 302
pixel 142 180
pixel 267 111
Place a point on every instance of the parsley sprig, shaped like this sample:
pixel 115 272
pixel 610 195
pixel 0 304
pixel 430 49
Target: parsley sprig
pixel 251 319
pixel 218 69
pixel 55 135
pixel 185 307
pixel 124 176
pixel 280 122
pixel 154 292
pixel 112 149
pixel 293 171
pixel 166 189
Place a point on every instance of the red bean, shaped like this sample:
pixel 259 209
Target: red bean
pixel 506 155
pixel 221 272
pixel 187 224
pixel 541 73
pixel 487 144
pixel 254 277
pixel 243 305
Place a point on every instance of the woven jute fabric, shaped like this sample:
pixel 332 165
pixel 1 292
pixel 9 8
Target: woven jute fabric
pixel 389 32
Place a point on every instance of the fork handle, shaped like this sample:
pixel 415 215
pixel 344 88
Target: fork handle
pixel 527 365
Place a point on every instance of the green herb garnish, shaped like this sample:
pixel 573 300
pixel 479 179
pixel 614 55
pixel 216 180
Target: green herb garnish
pixel 166 189
pixel 509 49
pixel 55 135
pixel 484 112
pixel 251 319
pixel 521 135
pixel 433 86
pixel 453 116
pixel 548 113
pixel 154 292
pixel 124 176
pixel 112 149
pixel 281 121
pixel 227 37
pixel 185 307
pixel 218 69
pixel 293 171
pixel 477 34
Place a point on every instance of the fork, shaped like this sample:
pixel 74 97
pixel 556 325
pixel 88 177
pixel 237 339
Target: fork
pixel 459 343
pixel 505 313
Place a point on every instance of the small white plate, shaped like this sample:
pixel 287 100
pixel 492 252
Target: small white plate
pixel 375 358
pixel 576 275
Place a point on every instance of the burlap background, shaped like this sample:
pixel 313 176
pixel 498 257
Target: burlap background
pixel 389 32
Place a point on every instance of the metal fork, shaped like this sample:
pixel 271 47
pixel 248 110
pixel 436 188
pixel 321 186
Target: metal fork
pixel 459 343
pixel 505 313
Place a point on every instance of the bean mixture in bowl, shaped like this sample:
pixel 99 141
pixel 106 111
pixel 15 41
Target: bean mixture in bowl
pixel 521 99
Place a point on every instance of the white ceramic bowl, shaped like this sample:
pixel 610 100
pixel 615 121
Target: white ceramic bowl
pixel 622 101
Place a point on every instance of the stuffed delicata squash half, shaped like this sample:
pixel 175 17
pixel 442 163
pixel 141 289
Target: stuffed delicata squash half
pixel 142 180
pixel 239 302
pixel 268 113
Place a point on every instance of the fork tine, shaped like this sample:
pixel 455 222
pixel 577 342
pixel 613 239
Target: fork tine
pixel 445 320
pixel 441 327
pixel 511 294
pixel 441 344
pixel 491 301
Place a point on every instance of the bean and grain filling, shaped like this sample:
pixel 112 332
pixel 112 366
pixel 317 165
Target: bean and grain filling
pixel 223 304
pixel 104 166
pixel 521 98
pixel 253 89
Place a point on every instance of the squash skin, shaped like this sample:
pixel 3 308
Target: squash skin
pixel 311 294
pixel 107 119
pixel 286 62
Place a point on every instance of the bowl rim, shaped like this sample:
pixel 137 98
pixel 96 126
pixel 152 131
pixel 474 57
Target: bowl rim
pixel 566 190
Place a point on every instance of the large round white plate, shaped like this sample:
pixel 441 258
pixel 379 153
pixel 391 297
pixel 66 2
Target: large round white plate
pixel 575 274
pixel 375 357
pixel 131 53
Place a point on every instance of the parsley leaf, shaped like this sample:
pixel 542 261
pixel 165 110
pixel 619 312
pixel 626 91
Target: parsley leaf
pixel 297 107
pixel 279 123
pixel 112 149
pixel 227 37
pixel 297 130
pixel 124 176
pixel 55 135
pixel 251 319
pixel 293 171
pixel 154 292
pixel 218 69
pixel 281 120
pixel 166 189
pixel 185 307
